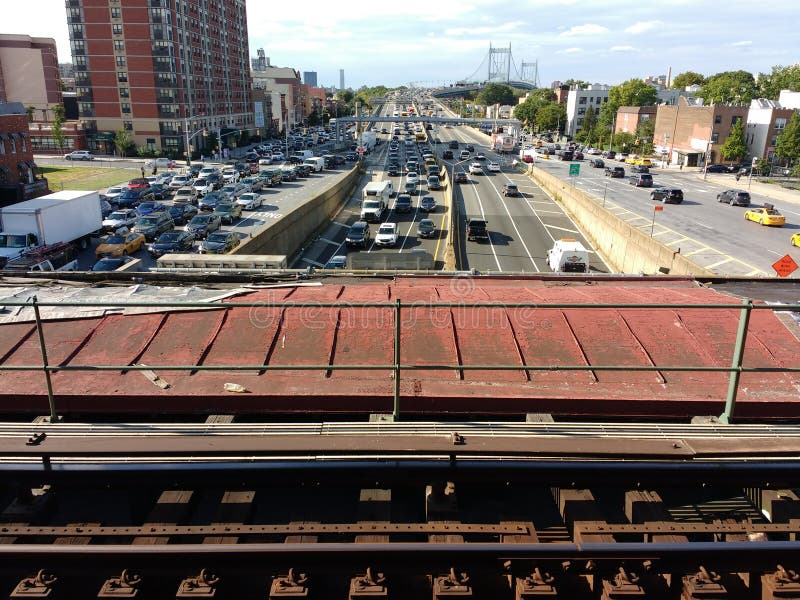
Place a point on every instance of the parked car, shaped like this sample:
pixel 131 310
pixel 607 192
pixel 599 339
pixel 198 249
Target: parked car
pixel 250 201
pixel 154 224
pixel 220 242
pixel 358 235
pixel 125 217
pixel 145 208
pixel 386 235
pixel 667 195
pixel 181 213
pixel 202 225
pixel 180 181
pixel 734 197
pixel 120 245
pixel 172 242
pixel 203 186
pixel 112 193
pixel 209 201
pixel 133 198
pixel 230 175
pixel 232 191
pixel 228 212
pixel 138 184
pixel 110 263
pixel 716 169
pixel 79 155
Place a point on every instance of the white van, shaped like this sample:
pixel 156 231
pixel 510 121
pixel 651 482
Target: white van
pixel 375 199
pixel 568 256
pixel 317 163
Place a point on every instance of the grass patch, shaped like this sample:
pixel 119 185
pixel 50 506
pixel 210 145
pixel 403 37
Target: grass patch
pixel 86 178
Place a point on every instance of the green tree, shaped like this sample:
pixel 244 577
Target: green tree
pixel 57 129
pixel 577 83
pixel 788 145
pixel 30 109
pixel 633 92
pixel 526 112
pixel 735 147
pixel 496 93
pixel 345 96
pixel 625 142
pixel 551 116
pixel 781 78
pixel 212 143
pixel 729 87
pixel 123 142
pixel 644 134
pixel 683 80
pixel 587 133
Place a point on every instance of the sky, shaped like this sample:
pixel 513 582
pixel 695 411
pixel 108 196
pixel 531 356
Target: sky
pixel 429 42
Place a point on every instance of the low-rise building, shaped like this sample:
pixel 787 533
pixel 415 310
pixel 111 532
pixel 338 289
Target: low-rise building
pixel 578 101
pixel 629 117
pixel 20 178
pixel 766 120
pixel 691 135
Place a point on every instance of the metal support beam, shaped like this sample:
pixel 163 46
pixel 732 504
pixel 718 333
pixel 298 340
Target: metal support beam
pixel 43 348
pixel 736 362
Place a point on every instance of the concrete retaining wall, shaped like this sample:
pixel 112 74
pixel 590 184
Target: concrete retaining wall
pixel 290 232
pixel 450 249
pixel 625 248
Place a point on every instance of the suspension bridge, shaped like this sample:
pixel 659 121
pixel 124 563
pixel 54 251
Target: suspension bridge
pixel 497 66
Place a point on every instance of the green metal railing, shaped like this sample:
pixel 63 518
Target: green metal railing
pixel 397 368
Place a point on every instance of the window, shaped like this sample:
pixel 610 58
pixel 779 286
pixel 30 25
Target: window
pixel 116 12
pixel 582 100
pixel 25 146
pixel 116 29
pixel 735 120
pixel 714 138
pixel 127 125
pixel 124 92
pixel 13 144
pixel 780 124
pixel 2 147
pixel 125 107
pixel 717 119
pixel 119 46
pixel 122 76
pixel 774 142
pixel 120 60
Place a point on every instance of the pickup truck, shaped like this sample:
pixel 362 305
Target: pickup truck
pixel 477 229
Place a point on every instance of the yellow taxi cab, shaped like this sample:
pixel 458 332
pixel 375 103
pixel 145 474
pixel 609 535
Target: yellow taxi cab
pixel 795 240
pixel 645 162
pixel 765 215
pixel 538 143
pixel 632 160
pixel 120 245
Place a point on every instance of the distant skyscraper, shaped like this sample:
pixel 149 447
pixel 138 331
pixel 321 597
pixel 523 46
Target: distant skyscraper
pixel 310 78
pixel 341 79
pixel 133 70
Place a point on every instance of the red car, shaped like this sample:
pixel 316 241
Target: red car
pixel 138 184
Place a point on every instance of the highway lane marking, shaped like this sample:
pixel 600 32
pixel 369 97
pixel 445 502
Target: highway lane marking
pixel 774 252
pixel 327 241
pixel 722 262
pixel 678 241
pixel 514 225
pixel 704 225
pixel 550 212
pixel 313 262
pixel 701 250
pixel 340 224
pixel 563 229
pixel 483 216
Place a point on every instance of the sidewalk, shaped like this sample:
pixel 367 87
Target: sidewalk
pixel 773 191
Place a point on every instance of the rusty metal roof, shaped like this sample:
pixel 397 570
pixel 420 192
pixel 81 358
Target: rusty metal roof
pixel 462 335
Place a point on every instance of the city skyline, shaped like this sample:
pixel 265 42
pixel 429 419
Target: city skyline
pixel 393 45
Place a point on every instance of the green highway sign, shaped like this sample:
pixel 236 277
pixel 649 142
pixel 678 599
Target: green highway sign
pixel 574 169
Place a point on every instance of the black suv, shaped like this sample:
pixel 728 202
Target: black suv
pixel 447 154
pixel 616 172
pixel 453 145
pixel 358 235
pixel 667 195
pixel 477 229
pixel 734 197
pixel 402 204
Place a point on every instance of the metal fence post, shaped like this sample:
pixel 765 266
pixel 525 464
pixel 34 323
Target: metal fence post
pixel 396 409
pixel 40 331
pixel 736 362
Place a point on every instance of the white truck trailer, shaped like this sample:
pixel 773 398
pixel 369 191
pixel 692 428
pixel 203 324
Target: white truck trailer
pixel 375 199
pixel 568 256
pixel 66 216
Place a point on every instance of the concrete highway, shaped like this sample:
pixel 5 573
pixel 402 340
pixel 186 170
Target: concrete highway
pixel 712 234
pixel 521 229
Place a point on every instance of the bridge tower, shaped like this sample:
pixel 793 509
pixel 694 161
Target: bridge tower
pixel 499 64
pixel 530 73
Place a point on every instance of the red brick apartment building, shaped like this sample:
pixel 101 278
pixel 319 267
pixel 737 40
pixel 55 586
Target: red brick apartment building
pixel 19 177
pixel 688 134
pixel 158 68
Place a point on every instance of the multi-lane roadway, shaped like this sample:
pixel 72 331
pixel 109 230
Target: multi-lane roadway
pixel 521 229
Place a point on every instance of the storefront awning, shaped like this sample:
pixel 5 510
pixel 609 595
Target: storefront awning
pixel 3 135
pixel 15 135
pixel 107 137
pixel 24 134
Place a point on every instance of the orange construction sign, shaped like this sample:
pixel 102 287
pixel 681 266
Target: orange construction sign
pixel 784 266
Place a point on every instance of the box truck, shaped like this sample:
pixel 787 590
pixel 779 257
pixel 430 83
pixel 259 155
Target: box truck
pixel 317 163
pixel 568 256
pixel 368 140
pixel 375 199
pixel 66 216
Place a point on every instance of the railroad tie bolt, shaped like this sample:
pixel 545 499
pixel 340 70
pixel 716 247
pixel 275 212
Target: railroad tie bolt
pixel 38 586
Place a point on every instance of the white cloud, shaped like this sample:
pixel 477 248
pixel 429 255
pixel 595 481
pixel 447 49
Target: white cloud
pixel 588 29
pixel 622 49
pixel 742 43
pixel 569 51
pixel 642 26
pixel 483 31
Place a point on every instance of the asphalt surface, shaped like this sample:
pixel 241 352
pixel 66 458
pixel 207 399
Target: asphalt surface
pixel 277 201
pixel 521 229
pixel 713 235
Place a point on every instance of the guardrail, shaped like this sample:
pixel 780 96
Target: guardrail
pixel 396 367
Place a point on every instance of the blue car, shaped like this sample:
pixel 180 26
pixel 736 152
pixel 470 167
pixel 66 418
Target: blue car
pixel 145 208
